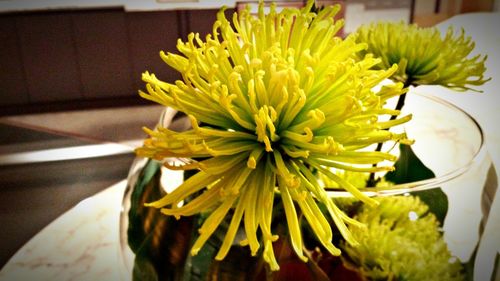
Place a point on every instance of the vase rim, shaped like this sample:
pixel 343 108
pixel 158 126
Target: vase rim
pixel 479 153
pixel 169 115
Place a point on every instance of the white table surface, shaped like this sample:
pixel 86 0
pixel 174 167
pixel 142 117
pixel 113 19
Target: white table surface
pixel 83 244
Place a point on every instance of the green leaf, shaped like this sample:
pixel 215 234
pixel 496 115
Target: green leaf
pixel 437 201
pixel 496 270
pixel 145 189
pixel 160 243
pixel 409 168
pixel 468 266
pixel 237 265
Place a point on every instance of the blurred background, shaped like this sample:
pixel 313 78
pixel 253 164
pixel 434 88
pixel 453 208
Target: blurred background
pixel 70 114
pixel 65 55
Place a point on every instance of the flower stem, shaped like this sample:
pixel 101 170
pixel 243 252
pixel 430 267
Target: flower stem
pixel 401 102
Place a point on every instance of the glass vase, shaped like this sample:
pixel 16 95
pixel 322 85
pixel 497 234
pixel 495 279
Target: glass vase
pixel 447 141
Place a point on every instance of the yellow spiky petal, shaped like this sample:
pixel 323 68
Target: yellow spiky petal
pixel 270 98
pixel 424 57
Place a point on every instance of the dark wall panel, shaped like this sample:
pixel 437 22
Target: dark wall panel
pixel 149 33
pixel 49 57
pixel 103 55
pixel 13 88
pixel 60 60
pixel 202 21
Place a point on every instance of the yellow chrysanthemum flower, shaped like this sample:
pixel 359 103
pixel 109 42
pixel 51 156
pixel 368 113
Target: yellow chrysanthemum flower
pixel 401 241
pixel 270 100
pixel 423 56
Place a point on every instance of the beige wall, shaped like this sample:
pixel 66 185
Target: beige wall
pixel 425 15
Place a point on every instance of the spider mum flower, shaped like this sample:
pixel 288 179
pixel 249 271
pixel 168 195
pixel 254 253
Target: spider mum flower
pixel 423 56
pixel 273 99
pixel 402 241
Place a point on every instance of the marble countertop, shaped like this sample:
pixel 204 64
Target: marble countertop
pixel 83 244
